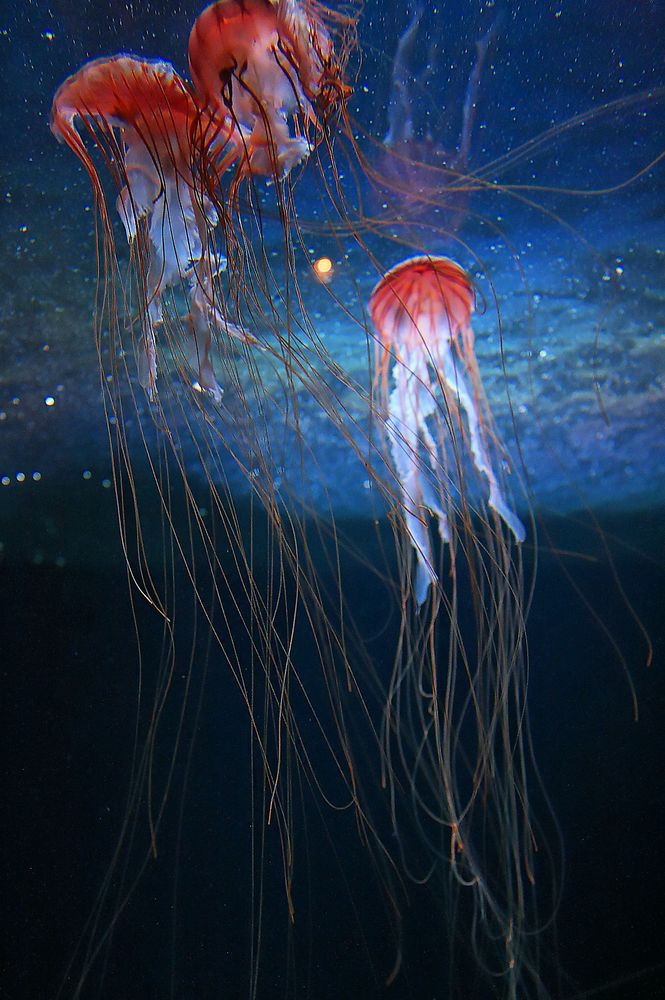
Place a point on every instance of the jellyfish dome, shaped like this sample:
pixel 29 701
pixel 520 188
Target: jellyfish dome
pixel 147 96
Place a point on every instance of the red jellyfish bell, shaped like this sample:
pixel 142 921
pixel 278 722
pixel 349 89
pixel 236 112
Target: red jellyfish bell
pixel 146 99
pixel 421 310
pixel 262 64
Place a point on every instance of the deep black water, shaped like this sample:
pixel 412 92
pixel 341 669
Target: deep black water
pixel 69 695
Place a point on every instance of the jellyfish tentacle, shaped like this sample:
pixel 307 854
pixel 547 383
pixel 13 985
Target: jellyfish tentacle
pixel 400 103
pixel 406 429
pixel 455 380
pixel 205 316
pixel 435 464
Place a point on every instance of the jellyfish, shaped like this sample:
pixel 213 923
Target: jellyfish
pixel 421 310
pixel 265 65
pixel 403 104
pixel 166 221
pixel 417 168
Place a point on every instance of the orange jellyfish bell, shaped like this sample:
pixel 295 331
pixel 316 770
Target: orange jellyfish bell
pixel 421 310
pixel 416 297
pixel 263 63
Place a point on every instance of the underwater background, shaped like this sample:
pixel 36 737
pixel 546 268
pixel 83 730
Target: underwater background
pixel 579 276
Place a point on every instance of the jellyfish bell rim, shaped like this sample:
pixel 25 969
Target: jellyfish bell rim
pixel 422 263
pixel 146 99
pixel 147 73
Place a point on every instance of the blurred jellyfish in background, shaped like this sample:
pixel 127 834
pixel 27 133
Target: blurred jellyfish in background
pixel 417 166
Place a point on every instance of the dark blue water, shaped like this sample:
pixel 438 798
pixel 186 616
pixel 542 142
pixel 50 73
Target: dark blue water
pixel 580 283
pixel 577 278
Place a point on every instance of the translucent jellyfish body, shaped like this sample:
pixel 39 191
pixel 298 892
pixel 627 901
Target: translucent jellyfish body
pixel 421 310
pixel 141 115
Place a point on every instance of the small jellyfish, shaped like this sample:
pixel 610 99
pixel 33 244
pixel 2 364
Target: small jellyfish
pixel 421 310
